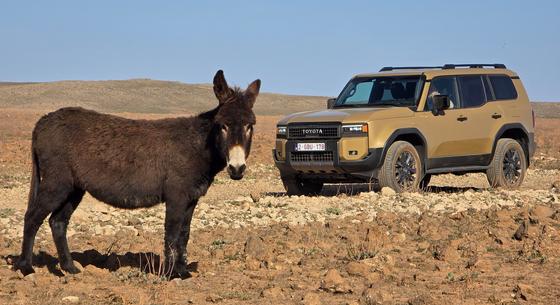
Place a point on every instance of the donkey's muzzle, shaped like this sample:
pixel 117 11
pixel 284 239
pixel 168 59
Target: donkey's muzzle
pixel 236 172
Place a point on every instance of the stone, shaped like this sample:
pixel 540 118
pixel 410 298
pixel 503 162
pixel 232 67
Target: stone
pixel 375 296
pixel 252 264
pixel 133 221
pixel 271 293
pixel 401 237
pixel 334 282
pixel 524 291
pixel 71 299
pixel 542 211
pixel 357 269
pixel 30 278
pixel 522 230
pixel 387 191
pixel 94 271
pixel 255 247
pixel 214 298
pixel 311 299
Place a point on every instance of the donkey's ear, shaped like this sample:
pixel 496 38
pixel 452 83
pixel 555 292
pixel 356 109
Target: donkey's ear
pixel 253 91
pixel 221 88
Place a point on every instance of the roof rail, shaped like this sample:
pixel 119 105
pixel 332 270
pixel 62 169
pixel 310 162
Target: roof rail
pixel 453 66
pixel 409 68
pixel 445 67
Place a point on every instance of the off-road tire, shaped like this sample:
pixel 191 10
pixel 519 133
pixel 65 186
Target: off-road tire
pixel 508 166
pixel 394 172
pixel 295 186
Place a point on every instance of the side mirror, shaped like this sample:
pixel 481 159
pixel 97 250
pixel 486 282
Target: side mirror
pixel 440 103
pixel 330 103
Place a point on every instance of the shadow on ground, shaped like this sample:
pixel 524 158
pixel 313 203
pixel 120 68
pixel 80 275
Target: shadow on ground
pixel 147 262
pixel 352 189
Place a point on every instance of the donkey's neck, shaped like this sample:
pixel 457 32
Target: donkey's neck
pixel 204 125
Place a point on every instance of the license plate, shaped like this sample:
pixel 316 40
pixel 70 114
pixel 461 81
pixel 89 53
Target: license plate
pixel 310 147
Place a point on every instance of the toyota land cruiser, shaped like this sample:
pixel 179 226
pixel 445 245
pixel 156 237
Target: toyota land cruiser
pixel 402 125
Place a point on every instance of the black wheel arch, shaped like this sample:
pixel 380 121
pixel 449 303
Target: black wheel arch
pixel 517 132
pixel 411 135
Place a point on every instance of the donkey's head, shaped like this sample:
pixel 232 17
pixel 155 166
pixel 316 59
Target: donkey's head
pixel 235 120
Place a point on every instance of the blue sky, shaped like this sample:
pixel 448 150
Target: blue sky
pixel 298 47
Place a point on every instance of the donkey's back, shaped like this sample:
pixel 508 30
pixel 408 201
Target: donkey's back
pixel 119 161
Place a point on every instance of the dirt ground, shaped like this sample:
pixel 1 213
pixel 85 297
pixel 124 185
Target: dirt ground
pixel 458 243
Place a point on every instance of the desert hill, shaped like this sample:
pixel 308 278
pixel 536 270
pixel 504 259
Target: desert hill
pixel 160 97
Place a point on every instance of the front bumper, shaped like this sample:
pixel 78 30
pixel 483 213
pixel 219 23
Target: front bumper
pixel 331 169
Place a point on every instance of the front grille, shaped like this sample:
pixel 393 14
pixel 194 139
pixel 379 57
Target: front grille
pixel 309 132
pixel 312 157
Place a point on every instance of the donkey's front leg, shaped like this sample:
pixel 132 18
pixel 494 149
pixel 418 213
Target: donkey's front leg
pixel 181 262
pixel 175 214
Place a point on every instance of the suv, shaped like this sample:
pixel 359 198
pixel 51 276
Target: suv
pixel 402 125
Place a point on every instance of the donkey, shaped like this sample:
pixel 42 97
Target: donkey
pixel 135 164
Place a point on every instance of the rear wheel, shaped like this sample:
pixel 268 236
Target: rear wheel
pixel 508 165
pixel 296 186
pixel 402 168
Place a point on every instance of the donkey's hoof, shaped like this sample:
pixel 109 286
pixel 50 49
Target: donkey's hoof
pixel 70 268
pixel 180 272
pixel 24 267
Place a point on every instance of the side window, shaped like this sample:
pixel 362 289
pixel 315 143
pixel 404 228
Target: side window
pixel 503 87
pixel 444 85
pixel 472 91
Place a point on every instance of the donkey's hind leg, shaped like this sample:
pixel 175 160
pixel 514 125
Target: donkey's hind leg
pixel 59 223
pixel 48 199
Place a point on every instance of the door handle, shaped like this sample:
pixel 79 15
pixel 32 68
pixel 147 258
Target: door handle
pixel 496 116
pixel 462 118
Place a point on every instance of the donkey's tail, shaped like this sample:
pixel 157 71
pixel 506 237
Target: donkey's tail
pixel 35 178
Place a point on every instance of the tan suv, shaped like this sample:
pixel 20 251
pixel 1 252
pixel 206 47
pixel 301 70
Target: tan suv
pixel 402 125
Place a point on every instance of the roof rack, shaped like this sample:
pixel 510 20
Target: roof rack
pixel 409 68
pixel 445 67
pixel 453 66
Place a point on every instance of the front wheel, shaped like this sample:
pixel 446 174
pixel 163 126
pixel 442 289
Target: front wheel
pixel 508 165
pixel 402 169
pixel 296 186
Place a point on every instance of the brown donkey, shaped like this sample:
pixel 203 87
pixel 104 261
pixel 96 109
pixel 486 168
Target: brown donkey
pixel 135 164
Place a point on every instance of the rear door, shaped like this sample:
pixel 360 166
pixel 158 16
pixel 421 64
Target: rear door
pixel 478 116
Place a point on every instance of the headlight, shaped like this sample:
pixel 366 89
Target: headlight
pixel 355 130
pixel 281 131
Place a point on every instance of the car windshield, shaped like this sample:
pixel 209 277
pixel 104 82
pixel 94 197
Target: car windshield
pixel 400 91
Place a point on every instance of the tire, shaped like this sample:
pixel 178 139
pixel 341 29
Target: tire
pixel 398 175
pixel 295 186
pixel 508 166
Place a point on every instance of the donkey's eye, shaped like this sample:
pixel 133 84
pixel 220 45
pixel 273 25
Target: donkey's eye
pixel 224 129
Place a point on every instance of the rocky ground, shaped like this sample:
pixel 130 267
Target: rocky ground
pixel 252 244
pixel 458 243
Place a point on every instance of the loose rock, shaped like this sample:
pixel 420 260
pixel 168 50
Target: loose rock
pixel 311 299
pixel 524 291
pixel 71 299
pixel 387 191
pixel 334 282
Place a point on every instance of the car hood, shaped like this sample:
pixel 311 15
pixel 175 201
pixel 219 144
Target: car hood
pixel 347 115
